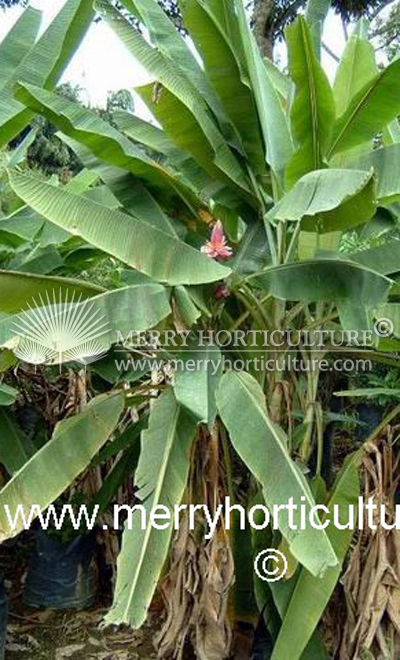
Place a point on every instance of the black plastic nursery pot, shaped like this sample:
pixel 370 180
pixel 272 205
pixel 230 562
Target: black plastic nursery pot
pixel 61 575
pixel 3 618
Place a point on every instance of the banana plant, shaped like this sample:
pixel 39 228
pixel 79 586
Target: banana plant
pixel 280 168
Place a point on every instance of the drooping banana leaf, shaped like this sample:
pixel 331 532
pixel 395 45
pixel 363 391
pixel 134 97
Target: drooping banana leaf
pixel 327 280
pixel 155 138
pixel 182 127
pixel 18 289
pixel 54 467
pixel 24 224
pixel 311 595
pixel 105 141
pixel 104 319
pixel 179 86
pixel 125 188
pixel 185 307
pixel 261 444
pixel 196 381
pixel 161 476
pixel 131 240
pixel 328 200
pixel 41 261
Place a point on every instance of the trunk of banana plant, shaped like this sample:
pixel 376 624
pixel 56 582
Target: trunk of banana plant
pixel 372 580
pixel 197 587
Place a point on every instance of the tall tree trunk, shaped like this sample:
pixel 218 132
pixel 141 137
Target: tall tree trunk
pixel 262 23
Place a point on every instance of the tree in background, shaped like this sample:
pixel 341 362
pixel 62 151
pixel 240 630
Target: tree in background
pixel 270 17
pixel 5 4
pixel 47 152
pixel 387 31
pixel 50 154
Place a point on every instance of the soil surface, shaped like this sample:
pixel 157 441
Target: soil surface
pixel 50 635
pixel 66 635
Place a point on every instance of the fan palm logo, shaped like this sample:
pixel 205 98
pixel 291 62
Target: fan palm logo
pixel 60 330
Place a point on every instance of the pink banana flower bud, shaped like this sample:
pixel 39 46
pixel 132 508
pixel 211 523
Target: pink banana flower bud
pixel 217 248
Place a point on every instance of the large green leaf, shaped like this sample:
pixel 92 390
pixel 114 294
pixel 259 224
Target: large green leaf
pixel 186 94
pixel 182 127
pixel 313 109
pixel 262 446
pixel 186 309
pixel 253 253
pixel 356 68
pixel 325 280
pixel 172 45
pixel 118 312
pixel 155 138
pixel 273 121
pixel 136 199
pixel 18 42
pixel 54 467
pixel 8 395
pixel 384 259
pixel 328 200
pixel 311 595
pixel 223 71
pixel 44 63
pixel 195 381
pixel 280 80
pixel 161 476
pixel 317 10
pixel 23 223
pixel 370 110
pixel 18 289
pixel 386 165
pixel 16 448
pixel 131 240
pixel 105 141
pixel 127 189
